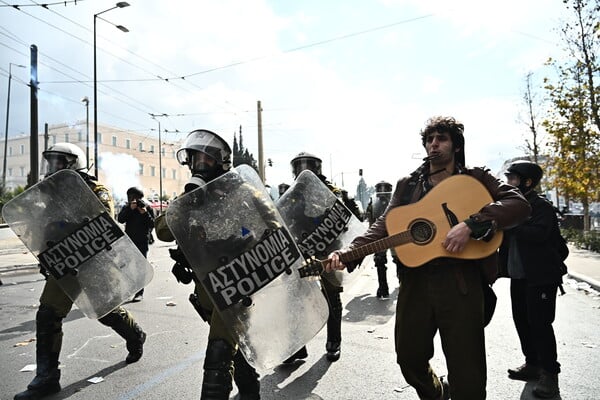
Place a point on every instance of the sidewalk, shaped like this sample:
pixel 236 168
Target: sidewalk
pixel 583 265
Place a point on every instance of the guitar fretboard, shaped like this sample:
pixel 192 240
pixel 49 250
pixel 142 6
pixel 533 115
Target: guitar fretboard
pixel 377 246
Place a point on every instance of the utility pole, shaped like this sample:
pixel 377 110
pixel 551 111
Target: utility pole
pixel 7 114
pixel 33 144
pixel 261 164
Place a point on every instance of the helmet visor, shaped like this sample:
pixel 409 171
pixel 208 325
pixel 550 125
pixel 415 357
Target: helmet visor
pixel 58 161
pixel 301 164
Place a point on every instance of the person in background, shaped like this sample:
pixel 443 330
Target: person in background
pixel 138 218
pixel 445 294
pixel 529 256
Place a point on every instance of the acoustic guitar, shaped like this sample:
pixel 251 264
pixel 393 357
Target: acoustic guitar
pixel 416 231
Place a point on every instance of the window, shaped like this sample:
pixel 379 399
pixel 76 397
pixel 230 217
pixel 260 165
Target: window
pixel 162 150
pixel 141 169
pixel 128 143
pixel 163 173
pixel 10 151
pixel 10 172
pixel 22 171
pixel 80 136
pixel 152 170
pixel 151 148
pixel 173 174
pixel 99 138
pixel 66 137
pixel 141 146
pixel 22 149
pixel 114 141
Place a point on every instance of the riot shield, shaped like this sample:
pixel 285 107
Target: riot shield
pixel 66 227
pixel 240 249
pixel 318 220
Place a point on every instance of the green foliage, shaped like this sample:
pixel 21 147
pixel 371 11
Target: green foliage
pixel 583 240
pixel 241 155
pixel 7 195
pixel 573 120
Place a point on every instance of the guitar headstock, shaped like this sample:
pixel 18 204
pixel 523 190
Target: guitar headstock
pixel 311 267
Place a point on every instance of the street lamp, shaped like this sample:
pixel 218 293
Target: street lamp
pixel 120 4
pixel 6 127
pixel 86 101
pixel 154 116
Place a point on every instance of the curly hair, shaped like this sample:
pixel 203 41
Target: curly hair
pixel 445 124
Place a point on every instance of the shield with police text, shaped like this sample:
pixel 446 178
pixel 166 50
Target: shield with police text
pixel 66 227
pixel 243 254
pixel 318 220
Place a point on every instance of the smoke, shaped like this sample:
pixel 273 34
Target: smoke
pixel 122 172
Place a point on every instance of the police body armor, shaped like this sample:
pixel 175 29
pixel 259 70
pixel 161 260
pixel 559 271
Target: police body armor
pixel 66 227
pixel 243 254
pixel 318 220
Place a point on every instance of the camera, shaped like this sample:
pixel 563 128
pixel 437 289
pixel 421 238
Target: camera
pixel 140 203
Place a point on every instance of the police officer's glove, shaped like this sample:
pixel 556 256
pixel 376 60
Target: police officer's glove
pixel 182 270
pixel 182 273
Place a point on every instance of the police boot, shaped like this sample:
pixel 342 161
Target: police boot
pixel 246 378
pixel 48 344
pixel 300 354
pixel 123 324
pixel 383 291
pixel 218 369
pixel 547 386
pixel 334 327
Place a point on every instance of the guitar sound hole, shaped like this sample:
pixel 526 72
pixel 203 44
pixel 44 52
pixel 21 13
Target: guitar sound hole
pixel 422 231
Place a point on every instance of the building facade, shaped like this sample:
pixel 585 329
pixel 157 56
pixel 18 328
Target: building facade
pixel 125 159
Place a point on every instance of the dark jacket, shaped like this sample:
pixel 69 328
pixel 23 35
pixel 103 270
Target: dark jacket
pixel 536 244
pixel 137 225
pixel 508 210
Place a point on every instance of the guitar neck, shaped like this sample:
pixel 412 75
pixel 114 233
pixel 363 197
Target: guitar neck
pixel 376 246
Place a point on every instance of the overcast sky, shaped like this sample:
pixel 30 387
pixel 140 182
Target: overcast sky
pixel 350 81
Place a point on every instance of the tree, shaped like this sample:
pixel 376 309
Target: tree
pixel 242 155
pixel 532 143
pixel 573 122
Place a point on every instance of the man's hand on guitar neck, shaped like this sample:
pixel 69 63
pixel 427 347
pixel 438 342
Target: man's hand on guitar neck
pixel 334 264
pixel 457 238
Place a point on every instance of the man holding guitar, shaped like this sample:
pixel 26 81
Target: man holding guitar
pixel 452 239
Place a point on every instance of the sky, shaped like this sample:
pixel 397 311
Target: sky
pixel 352 82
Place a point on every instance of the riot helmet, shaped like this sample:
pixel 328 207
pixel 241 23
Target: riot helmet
pixel 206 154
pixel 526 170
pixel 305 161
pixel 383 187
pixel 64 156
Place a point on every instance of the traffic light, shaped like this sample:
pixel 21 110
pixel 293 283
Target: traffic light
pixel 360 172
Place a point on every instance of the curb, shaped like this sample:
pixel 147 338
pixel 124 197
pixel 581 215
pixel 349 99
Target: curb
pixel 582 278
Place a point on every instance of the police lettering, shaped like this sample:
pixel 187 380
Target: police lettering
pixel 81 245
pixel 252 270
pixel 333 224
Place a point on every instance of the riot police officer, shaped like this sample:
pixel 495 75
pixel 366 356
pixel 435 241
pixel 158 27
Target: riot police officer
pixel 331 286
pixel 55 304
pixel 208 156
pixel 529 256
pixel 380 201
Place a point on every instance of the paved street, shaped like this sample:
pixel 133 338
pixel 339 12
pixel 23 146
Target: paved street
pixel 172 364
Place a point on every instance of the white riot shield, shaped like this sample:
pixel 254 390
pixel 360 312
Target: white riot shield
pixel 319 221
pixel 239 247
pixel 66 227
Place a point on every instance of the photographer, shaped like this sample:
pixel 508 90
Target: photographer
pixel 138 218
